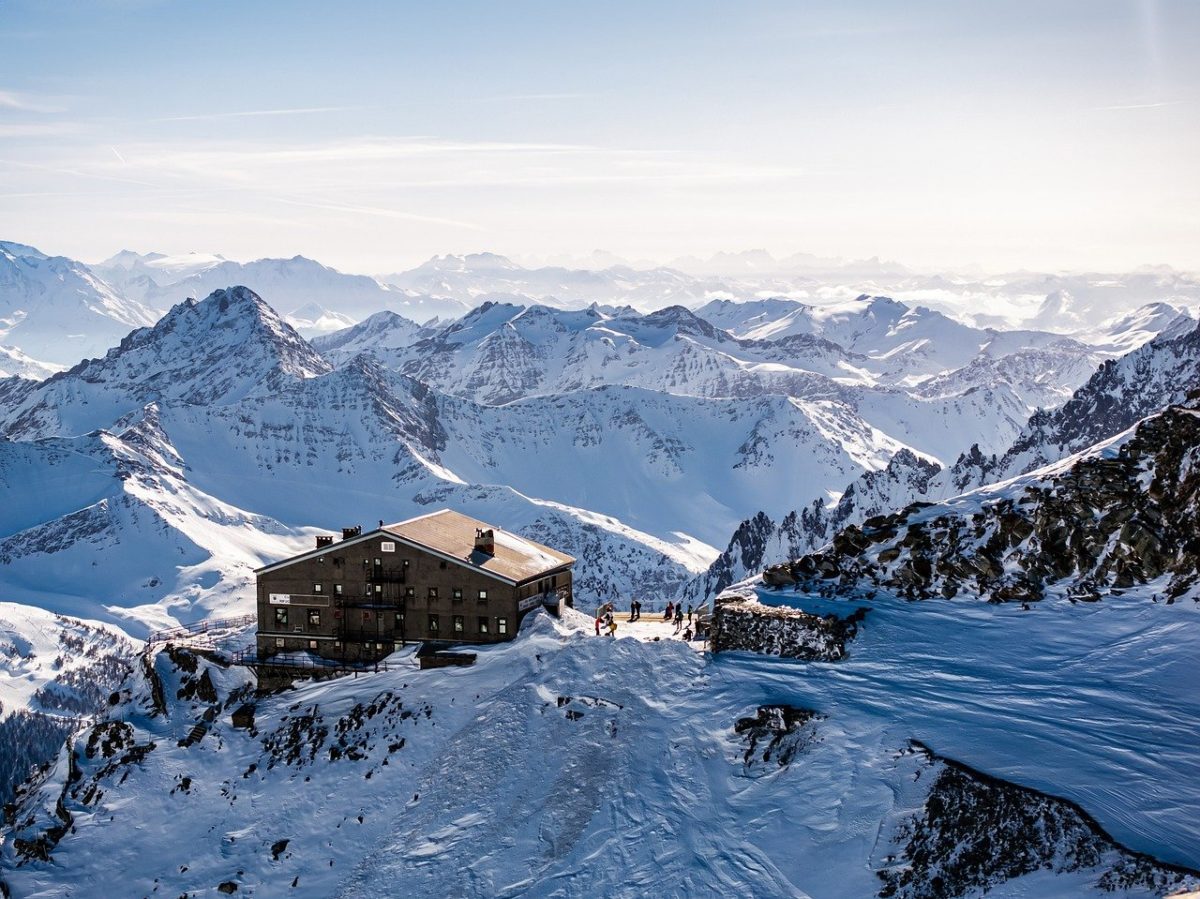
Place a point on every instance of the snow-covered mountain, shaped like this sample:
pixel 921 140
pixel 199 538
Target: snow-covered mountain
pixel 958 747
pixel 476 276
pixel 378 335
pixel 1020 539
pixel 55 310
pixel 1118 394
pixel 219 438
pixel 315 297
pixel 503 352
pixel 15 364
pixel 228 346
pixel 55 674
pixel 941 758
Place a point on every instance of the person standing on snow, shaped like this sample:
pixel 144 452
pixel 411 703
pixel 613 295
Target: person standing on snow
pixel 669 614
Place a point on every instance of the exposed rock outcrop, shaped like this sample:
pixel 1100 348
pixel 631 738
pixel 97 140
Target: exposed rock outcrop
pixel 1122 514
pixel 776 733
pixel 974 832
pixel 741 623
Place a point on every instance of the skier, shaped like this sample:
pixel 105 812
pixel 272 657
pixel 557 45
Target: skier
pixel 687 635
pixel 689 613
pixel 612 627
pixel 670 611
pixel 679 618
pixel 597 627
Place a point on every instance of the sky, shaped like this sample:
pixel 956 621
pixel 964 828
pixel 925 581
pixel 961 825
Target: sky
pixel 1049 135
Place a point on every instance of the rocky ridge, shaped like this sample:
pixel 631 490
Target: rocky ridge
pixel 1017 540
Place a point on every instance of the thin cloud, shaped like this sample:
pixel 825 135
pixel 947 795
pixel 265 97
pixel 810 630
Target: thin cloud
pixel 23 103
pixel 533 98
pixel 381 212
pixel 74 172
pixel 1138 106
pixel 38 129
pixel 252 113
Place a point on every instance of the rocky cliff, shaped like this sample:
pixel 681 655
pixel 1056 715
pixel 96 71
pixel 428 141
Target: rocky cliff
pixel 1121 514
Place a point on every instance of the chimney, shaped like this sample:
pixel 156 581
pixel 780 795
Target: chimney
pixel 324 540
pixel 485 541
pixel 347 533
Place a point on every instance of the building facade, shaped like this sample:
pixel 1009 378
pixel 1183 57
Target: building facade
pixel 442 576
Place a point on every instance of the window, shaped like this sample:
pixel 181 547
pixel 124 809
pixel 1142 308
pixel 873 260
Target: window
pixel 433 624
pixel 483 625
pixel 443 564
pixel 502 625
pixel 281 616
pixel 316 588
pixel 433 592
pixel 456 594
pixel 312 644
pixel 459 624
pixel 483 596
pixel 337 644
pixel 400 621
pixel 337 589
pixel 387 546
pixel 410 592
pixel 279 642
pixel 379 589
pixel 314 617
pixel 366 616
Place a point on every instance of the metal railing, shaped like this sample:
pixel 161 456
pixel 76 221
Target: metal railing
pixel 199 628
pixel 249 658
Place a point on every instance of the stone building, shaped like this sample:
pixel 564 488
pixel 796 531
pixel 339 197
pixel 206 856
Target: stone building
pixel 441 576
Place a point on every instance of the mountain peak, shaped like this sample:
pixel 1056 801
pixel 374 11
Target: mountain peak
pixel 217 350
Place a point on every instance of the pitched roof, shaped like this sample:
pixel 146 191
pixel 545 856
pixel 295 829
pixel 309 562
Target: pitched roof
pixel 453 534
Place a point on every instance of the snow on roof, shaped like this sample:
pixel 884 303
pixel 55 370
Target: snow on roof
pixel 453 534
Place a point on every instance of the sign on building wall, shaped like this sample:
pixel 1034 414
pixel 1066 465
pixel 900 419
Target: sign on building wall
pixel 281 599
pixel 529 602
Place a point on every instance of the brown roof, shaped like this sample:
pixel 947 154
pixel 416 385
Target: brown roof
pixel 453 534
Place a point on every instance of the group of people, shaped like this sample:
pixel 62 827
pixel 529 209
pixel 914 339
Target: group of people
pixel 689 628
pixel 674 613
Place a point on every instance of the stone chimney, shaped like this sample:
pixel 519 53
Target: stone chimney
pixel 324 540
pixel 485 541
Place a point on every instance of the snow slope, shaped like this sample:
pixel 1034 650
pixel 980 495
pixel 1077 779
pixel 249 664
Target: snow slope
pixel 568 765
pixel 16 364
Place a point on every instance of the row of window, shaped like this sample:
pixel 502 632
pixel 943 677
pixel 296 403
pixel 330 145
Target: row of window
pixel 458 623
pixel 281 616
pixel 409 592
